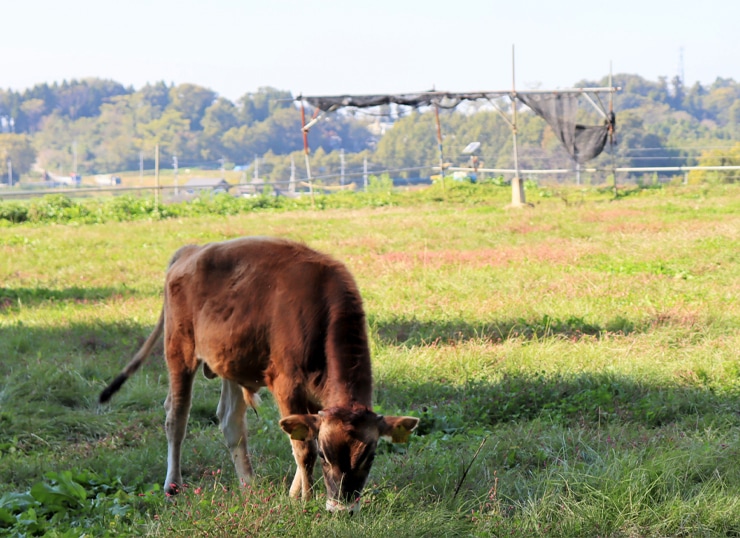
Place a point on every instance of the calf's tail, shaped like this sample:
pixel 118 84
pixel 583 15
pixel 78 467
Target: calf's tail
pixel 135 363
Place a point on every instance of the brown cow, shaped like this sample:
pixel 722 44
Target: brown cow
pixel 271 312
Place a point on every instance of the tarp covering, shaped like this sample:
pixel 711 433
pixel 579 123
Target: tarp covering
pixel 441 99
pixel 582 142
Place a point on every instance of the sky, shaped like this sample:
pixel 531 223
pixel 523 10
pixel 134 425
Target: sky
pixel 336 47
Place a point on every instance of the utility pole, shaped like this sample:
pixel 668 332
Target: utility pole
pixel 256 170
pixel 156 177
pixel 10 172
pixel 74 158
pixel 291 185
pixel 174 167
pixel 222 161
pixel 341 166
pixel 141 168
pixel 364 174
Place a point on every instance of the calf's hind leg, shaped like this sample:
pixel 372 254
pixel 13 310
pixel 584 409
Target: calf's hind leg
pixel 177 406
pixel 232 418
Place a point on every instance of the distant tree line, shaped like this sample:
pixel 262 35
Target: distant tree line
pixel 106 127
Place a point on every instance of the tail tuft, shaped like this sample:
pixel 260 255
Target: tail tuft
pixel 111 389
pixel 253 400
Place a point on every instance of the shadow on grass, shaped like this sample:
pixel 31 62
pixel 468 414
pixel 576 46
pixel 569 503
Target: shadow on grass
pixel 92 347
pixel 582 399
pixel 11 298
pixel 47 373
pixel 51 377
pixel 409 332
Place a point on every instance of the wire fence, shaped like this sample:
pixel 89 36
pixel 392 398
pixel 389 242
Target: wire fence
pixel 298 186
pixel 330 179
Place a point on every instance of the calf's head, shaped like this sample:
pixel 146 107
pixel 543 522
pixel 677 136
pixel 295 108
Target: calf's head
pixel 346 439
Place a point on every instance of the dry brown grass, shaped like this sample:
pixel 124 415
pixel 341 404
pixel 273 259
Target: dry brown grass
pixel 554 252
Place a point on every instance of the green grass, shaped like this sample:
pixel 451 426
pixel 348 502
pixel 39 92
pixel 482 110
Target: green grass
pixel 575 369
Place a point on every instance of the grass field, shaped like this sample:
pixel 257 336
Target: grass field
pixel 575 367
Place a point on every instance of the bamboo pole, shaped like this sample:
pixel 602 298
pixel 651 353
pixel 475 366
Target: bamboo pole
pixel 304 128
pixel 611 132
pixel 439 145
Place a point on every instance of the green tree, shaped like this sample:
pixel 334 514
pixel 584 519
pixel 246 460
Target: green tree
pixel 156 97
pixel 33 109
pixel 18 149
pixel 719 101
pixel 693 101
pixel 234 145
pixel 734 122
pixel 52 143
pixel 258 106
pixel 191 102
pixel 83 98
pixel 280 133
pixel 411 143
pixel 679 94
pixel 632 140
pixel 171 131
pixel 115 141
pixel 718 157
pixel 218 119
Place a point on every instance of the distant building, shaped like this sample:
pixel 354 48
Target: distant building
pixel 107 179
pixel 72 180
pixel 379 128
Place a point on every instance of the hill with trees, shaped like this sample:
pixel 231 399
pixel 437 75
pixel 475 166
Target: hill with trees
pixel 100 126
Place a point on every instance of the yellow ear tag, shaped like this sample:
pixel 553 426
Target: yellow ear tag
pixel 299 433
pixel 399 434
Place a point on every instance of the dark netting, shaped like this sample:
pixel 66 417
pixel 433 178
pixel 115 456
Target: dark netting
pixel 332 102
pixel 590 141
pixel 441 99
pixel 582 142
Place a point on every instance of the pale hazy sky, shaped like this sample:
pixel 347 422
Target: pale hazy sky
pixel 327 47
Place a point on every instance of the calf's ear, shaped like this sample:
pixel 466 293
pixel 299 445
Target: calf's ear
pixel 397 429
pixel 301 427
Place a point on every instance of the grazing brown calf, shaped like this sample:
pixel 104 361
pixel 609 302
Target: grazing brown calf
pixel 270 312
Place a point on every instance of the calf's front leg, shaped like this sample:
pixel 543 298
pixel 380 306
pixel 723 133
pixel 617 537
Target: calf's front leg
pixel 304 453
pixel 291 400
